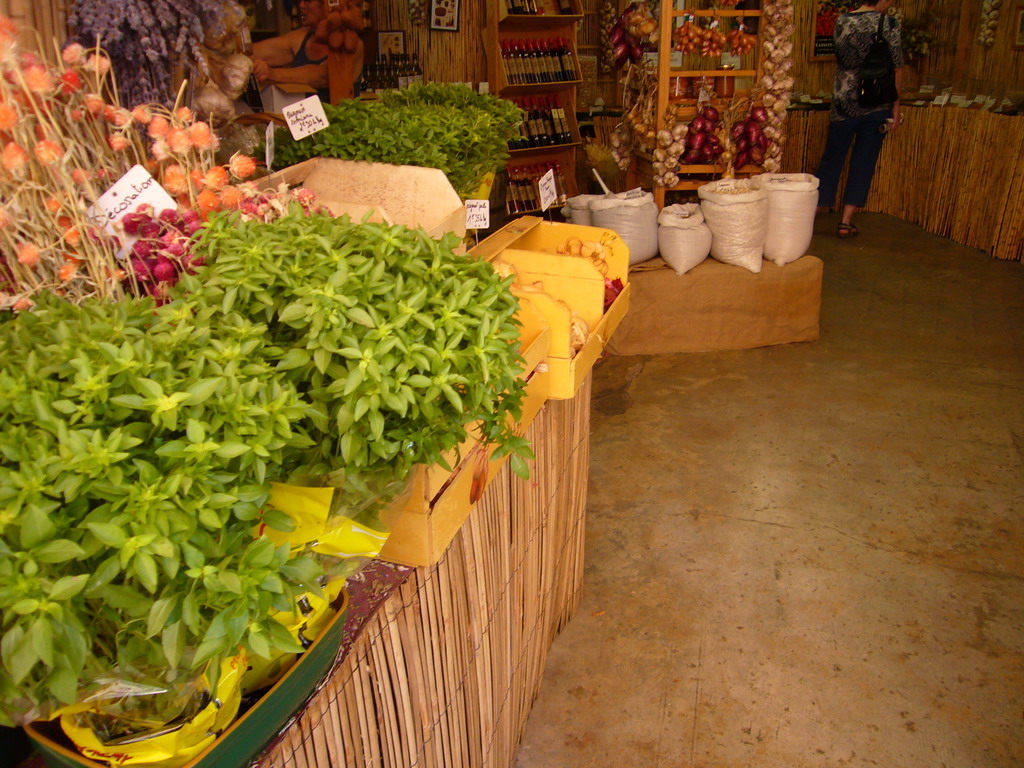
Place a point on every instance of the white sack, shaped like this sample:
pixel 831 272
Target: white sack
pixel 736 211
pixel 792 201
pixel 684 240
pixel 577 209
pixel 633 219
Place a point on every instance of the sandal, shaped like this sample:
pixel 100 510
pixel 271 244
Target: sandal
pixel 844 231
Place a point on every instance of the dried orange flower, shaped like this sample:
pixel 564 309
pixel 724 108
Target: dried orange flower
pixel 5 218
pixel 14 157
pixel 201 135
pixel 158 127
pixel 178 141
pixel 119 116
pixel 37 79
pixel 160 150
pixel 28 254
pixel 216 177
pixel 208 201
pixel 68 270
pixel 118 142
pixel 52 204
pixel 24 303
pixel 94 103
pixel 72 54
pixel 72 237
pixel 185 114
pixel 242 166
pixel 8 117
pixel 142 114
pixel 174 180
pixel 99 63
pixel 198 178
pixel 79 176
pixel 48 152
pixel 230 197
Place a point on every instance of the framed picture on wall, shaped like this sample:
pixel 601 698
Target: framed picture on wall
pixel 444 15
pixel 826 14
pixel 1018 27
pixel 391 41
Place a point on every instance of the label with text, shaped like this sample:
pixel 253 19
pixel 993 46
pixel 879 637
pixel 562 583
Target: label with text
pixel 133 190
pixel 548 193
pixel 478 214
pixel 306 117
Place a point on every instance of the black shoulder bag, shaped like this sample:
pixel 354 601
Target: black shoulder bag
pixel 876 73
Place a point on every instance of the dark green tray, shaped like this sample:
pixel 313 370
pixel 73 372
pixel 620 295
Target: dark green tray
pixel 246 736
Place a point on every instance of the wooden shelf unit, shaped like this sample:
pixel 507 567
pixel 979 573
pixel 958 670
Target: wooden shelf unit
pixel 666 74
pixel 502 26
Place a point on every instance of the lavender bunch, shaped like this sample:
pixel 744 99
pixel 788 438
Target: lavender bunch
pixel 147 39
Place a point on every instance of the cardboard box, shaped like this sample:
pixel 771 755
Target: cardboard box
pixel 394 194
pixel 276 97
pixel 440 499
pixel 561 286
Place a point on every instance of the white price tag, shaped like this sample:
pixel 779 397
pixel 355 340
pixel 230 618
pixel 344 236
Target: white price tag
pixel 548 194
pixel 941 100
pixel 989 102
pixel 136 188
pixel 305 117
pixel 633 194
pixel 478 214
pixel 268 136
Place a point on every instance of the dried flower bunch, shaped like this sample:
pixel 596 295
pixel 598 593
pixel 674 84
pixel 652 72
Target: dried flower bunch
pixel 64 144
pixel 147 39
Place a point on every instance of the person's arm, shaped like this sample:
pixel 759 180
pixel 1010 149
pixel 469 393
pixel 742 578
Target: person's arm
pixel 313 75
pixel 278 51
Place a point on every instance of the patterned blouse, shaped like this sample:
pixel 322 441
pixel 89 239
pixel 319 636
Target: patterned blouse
pixel 853 35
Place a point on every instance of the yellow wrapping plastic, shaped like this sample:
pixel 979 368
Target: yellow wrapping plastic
pixel 180 743
pixel 309 509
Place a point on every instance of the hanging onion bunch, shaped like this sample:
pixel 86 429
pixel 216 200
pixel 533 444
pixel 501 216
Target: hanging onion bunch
pixel 747 139
pixel 639 100
pixel 988 22
pixel 635 26
pixel 740 41
pixel 609 17
pixel 776 83
pixel 671 146
pixel 688 36
pixel 713 42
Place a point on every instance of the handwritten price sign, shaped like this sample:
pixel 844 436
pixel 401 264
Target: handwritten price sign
pixel 306 117
pixel 478 214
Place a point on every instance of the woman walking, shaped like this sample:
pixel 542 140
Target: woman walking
pixel 849 122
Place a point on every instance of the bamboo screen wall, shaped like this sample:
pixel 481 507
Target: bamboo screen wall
pixel 447 669
pixel 452 57
pixel 47 17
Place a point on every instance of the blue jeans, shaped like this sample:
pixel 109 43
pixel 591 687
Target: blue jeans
pixel 867 137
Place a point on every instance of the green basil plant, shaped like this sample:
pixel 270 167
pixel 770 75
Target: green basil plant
pixel 432 125
pixel 137 442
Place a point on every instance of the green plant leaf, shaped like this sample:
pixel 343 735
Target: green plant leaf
pixel 230 450
pixel 63 684
pixel 36 527
pixel 258 644
pixel 172 640
pixel 67 587
pixel 202 390
pixel 18 653
pixel 278 520
pixel 41 634
pixel 159 612
pixel 108 534
pixel 58 551
pixel 26 606
pixel 294 358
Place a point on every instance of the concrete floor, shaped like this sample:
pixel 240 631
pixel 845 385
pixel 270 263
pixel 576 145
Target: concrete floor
pixel 810 554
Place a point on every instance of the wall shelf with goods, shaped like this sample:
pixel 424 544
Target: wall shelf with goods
pixel 532 61
pixel 683 74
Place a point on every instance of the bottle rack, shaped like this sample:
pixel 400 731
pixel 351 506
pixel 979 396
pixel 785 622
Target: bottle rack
pixel 532 61
pixel 694 67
